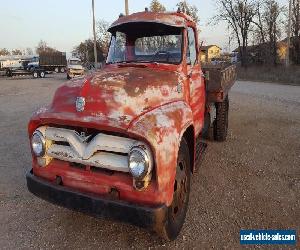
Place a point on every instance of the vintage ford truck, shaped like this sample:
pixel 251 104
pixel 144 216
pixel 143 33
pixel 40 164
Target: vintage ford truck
pixel 123 142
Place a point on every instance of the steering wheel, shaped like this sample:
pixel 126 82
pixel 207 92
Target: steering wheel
pixel 162 53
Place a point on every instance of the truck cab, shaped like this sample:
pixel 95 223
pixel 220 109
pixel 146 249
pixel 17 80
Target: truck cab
pixel 33 64
pixel 124 141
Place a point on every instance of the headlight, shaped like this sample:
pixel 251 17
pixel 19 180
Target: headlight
pixel 38 144
pixel 139 162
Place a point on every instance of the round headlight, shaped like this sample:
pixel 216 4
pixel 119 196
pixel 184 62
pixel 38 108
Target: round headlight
pixel 38 144
pixel 139 163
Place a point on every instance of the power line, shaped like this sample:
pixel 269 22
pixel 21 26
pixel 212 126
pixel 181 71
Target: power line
pixel 94 31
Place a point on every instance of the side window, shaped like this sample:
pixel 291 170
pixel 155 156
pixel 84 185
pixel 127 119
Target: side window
pixel 191 51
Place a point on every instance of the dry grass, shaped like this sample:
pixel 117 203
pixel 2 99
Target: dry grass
pixel 279 74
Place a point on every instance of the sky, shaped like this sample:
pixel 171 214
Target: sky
pixel 63 24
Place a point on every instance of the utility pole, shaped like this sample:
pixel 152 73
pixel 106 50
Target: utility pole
pixel 126 8
pixel 94 31
pixel 289 35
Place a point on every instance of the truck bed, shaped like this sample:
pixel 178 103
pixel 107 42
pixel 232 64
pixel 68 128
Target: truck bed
pixel 219 80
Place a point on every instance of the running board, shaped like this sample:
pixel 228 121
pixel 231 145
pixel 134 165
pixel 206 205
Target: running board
pixel 201 147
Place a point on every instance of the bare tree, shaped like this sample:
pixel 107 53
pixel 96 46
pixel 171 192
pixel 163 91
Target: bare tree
pixel 29 51
pixel 4 52
pixel 296 31
pixel 44 48
pixel 85 51
pixel 16 52
pixel 189 9
pixel 239 14
pixel 103 36
pixel 273 24
pixel 259 30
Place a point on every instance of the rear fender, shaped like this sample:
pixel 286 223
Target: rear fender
pixel 163 128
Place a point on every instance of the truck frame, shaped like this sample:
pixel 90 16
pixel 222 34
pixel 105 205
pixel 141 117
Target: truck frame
pixel 123 142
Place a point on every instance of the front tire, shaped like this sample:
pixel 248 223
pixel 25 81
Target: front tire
pixel 221 122
pixel 177 211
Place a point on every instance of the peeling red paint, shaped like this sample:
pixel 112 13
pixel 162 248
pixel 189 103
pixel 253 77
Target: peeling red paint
pixel 151 102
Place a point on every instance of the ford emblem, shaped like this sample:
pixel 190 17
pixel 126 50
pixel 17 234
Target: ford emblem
pixel 80 104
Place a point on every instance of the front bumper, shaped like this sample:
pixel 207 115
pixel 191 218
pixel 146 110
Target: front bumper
pixel 146 217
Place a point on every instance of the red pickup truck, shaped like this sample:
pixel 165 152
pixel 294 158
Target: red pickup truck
pixel 123 142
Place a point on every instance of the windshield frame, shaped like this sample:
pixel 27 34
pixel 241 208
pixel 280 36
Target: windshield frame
pixel 113 34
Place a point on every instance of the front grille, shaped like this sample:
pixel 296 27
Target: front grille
pixel 98 150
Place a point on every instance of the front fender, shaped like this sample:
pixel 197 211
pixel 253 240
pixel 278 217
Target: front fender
pixel 163 128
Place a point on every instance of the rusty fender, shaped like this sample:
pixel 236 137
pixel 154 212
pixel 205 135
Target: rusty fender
pixel 163 128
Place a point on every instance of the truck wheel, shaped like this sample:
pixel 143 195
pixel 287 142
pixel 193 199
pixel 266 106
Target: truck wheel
pixel 42 74
pixel 221 122
pixel 177 211
pixel 62 70
pixel 9 73
pixel 56 70
pixel 35 74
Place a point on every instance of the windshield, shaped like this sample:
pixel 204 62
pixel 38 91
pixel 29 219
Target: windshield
pixel 75 62
pixel 161 48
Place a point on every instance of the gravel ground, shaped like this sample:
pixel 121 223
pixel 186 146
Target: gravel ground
pixel 251 181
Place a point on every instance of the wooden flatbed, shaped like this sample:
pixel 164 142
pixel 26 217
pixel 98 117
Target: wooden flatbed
pixel 219 80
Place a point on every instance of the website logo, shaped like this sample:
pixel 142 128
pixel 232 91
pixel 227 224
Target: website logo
pixel 268 237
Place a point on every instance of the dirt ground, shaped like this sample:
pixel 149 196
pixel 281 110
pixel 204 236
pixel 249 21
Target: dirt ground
pixel 250 182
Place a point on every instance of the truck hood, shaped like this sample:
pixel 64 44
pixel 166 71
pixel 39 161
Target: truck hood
pixel 116 96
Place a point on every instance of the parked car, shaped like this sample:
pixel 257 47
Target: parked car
pixel 75 68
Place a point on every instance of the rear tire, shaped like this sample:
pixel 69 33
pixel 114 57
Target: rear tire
pixel 176 213
pixel 221 122
pixel 35 74
pixel 42 74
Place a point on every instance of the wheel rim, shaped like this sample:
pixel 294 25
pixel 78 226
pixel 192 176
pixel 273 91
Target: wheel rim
pixel 35 75
pixel 56 70
pixel 42 74
pixel 62 70
pixel 180 190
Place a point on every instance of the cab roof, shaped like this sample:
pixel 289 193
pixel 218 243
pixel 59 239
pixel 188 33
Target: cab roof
pixel 174 19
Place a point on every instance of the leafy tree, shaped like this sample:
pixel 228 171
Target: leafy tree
pixel 189 9
pixel 4 52
pixel 44 48
pixel 156 6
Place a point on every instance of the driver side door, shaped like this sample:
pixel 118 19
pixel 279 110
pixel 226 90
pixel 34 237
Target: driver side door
pixel 196 82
